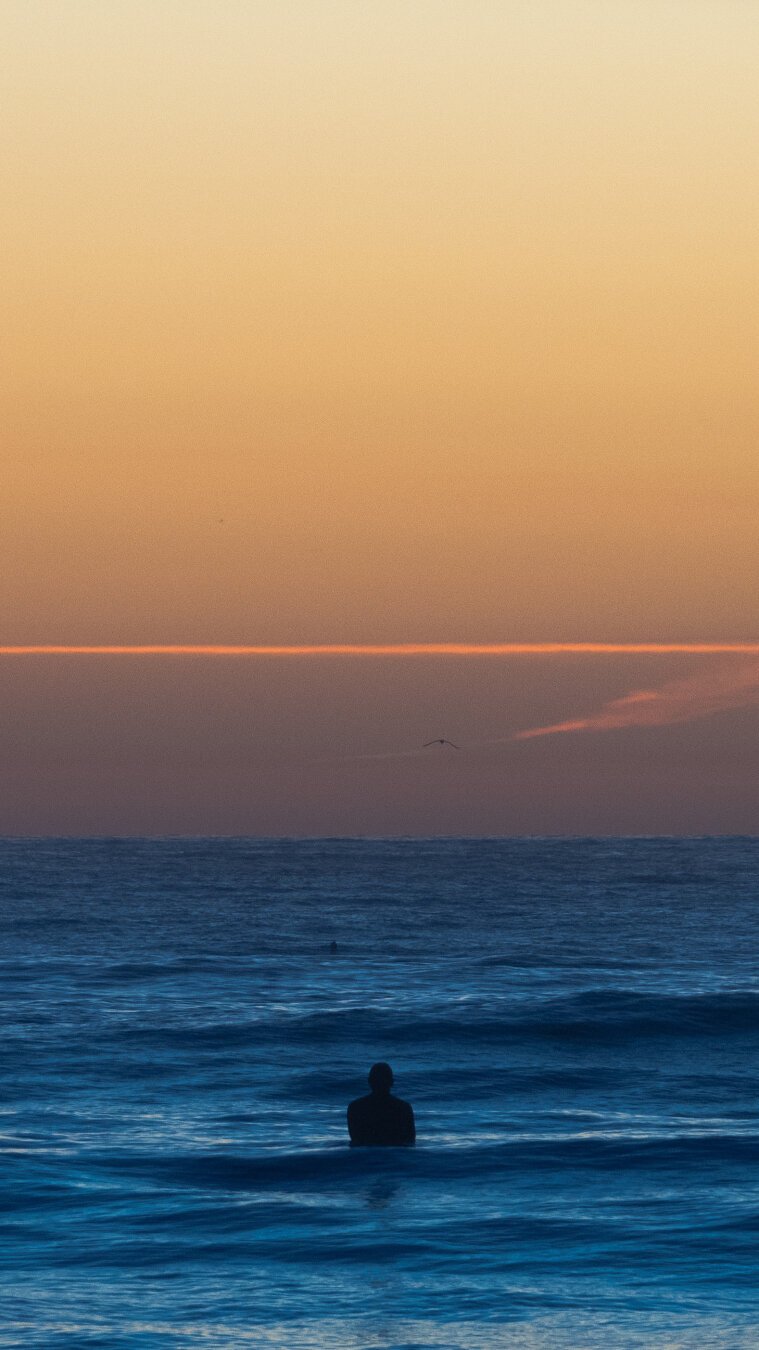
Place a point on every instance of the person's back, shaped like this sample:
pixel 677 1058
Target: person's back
pixel 380 1119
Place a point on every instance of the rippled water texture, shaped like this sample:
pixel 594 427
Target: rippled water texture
pixel 575 1022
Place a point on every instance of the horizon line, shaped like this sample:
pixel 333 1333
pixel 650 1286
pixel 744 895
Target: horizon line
pixel 401 649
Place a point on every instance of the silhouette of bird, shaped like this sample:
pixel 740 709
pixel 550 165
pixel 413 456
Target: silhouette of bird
pixel 441 740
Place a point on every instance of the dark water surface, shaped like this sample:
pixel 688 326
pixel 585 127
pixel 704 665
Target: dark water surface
pixel 575 1022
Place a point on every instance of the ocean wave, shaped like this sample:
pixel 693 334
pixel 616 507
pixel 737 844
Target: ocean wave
pixel 612 1012
pixel 594 1015
pixel 342 1166
pixel 590 1014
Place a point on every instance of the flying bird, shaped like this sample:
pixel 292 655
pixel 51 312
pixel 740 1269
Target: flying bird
pixel 441 740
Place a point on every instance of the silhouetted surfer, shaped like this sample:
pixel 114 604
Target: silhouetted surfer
pixel 380 1118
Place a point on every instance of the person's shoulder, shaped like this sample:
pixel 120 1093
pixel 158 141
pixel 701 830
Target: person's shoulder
pixel 359 1102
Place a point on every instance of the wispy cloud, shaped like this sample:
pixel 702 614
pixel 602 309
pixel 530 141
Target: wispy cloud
pixel 699 695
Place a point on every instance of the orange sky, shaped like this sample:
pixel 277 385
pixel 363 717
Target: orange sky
pixel 379 321
pixel 361 321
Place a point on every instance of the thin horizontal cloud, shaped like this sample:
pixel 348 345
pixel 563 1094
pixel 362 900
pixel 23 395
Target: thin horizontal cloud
pixel 473 649
pixel 685 700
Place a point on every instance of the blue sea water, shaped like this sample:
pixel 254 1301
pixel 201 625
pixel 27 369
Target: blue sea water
pixel 576 1023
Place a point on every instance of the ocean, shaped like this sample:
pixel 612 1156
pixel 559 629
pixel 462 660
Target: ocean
pixel 575 1022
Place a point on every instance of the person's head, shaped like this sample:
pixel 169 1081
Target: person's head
pixel 381 1079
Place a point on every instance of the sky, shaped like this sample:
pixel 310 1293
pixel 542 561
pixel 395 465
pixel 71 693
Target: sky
pixel 376 322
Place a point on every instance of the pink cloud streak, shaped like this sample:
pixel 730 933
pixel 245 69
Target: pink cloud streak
pixel 685 700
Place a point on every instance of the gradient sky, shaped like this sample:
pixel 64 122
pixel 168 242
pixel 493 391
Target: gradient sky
pixel 377 321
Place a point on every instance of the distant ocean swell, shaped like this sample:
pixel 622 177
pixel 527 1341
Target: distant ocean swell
pixel 594 1015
